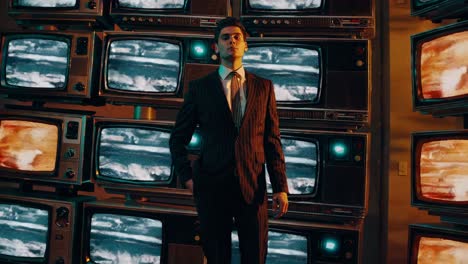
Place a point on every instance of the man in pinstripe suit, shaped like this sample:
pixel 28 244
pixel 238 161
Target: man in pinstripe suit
pixel 236 113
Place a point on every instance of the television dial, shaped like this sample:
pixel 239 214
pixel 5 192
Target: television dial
pixel 70 153
pixel 62 217
pixel 60 260
pixel 92 5
pixel 264 21
pixel 359 63
pixel 79 87
pixel 256 22
pixel 70 173
pixel 287 22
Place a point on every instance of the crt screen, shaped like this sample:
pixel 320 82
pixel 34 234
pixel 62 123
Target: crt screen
pixel 443 66
pixel 121 239
pixel 28 146
pixel 444 170
pixel 23 231
pixel 294 71
pixel 153 4
pixel 37 63
pixel 143 66
pixel 283 248
pixel 46 3
pixel 438 250
pixel 285 4
pixel 425 2
pixel 301 166
pixel 134 154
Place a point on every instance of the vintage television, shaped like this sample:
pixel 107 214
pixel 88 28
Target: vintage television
pixel 45 146
pixel 60 12
pixel 317 80
pixel 437 10
pixel 437 243
pixel 163 14
pixel 439 181
pixel 440 83
pixel 40 227
pixel 295 242
pixel 315 17
pixel 153 68
pixel 50 66
pixel 327 175
pixel 118 231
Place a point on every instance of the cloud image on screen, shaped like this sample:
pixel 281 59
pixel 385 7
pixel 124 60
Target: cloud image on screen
pixel 143 66
pixel 294 71
pixel 285 4
pixel 153 4
pixel 438 250
pixel 134 154
pixel 121 239
pixel 283 248
pixel 23 231
pixel 28 146
pixel 46 3
pixel 37 63
pixel 301 166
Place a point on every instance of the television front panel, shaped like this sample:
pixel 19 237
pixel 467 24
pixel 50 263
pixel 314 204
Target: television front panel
pixel 182 14
pixel 45 146
pixel 50 66
pixel 437 10
pixel 440 85
pixel 39 228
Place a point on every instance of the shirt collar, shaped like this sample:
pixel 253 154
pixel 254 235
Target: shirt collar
pixel 224 71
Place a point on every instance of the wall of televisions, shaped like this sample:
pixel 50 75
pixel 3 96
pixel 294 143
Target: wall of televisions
pixel 97 53
pixel 439 183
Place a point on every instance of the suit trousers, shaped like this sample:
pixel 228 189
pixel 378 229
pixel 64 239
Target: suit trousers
pixel 223 208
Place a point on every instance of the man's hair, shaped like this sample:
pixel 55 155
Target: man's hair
pixel 229 22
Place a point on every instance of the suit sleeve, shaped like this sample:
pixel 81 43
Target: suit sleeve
pixel 181 135
pixel 272 143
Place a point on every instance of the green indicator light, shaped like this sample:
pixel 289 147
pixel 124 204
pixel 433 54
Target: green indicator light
pixel 194 141
pixel 199 49
pixel 339 149
pixel 330 245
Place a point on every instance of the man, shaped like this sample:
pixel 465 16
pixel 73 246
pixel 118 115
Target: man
pixel 237 118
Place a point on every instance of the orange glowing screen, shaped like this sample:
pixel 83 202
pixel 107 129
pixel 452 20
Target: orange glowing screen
pixel 442 251
pixel 444 170
pixel 444 66
pixel 28 146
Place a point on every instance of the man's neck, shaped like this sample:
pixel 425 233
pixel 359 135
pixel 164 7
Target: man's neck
pixel 232 64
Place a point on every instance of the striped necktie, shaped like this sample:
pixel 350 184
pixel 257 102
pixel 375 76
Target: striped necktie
pixel 236 106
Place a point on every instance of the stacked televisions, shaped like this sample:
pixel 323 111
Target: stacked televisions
pixel 439 183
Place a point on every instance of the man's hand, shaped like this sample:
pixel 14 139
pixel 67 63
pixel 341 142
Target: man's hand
pixel 189 185
pixel 280 204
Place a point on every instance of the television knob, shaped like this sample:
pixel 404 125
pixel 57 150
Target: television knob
pixel 61 219
pixel 70 153
pixel 70 173
pixel 359 63
pixel 256 22
pixel 264 21
pixel 79 87
pixel 92 5
pixel 287 22
pixel 59 260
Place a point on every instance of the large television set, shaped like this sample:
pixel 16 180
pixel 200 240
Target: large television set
pixel 317 80
pixel 440 85
pixel 437 244
pixel 45 146
pixel 118 231
pixel 315 17
pixel 60 12
pixel 439 181
pixel 437 10
pixel 40 227
pixel 50 66
pixel 164 14
pixel 292 242
pixel 153 68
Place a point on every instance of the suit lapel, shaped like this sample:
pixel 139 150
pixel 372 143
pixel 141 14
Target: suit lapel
pixel 251 95
pixel 219 95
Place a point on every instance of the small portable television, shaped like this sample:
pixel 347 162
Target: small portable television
pixel 40 227
pixel 291 242
pixel 437 10
pixel 437 243
pixel 440 82
pixel 45 146
pixel 439 178
pixel 327 175
pixel 315 17
pixel 182 14
pixel 321 79
pixel 50 66
pixel 60 12
pixel 153 68
pixel 115 231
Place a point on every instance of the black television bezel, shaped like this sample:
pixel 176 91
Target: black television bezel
pixel 444 208
pixel 101 123
pixel 247 9
pixel 310 46
pixel 184 10
pixel 438 10
pixel 15 5
pixel 116 96
pixel 8 37
pixel 35 205
pixel 50 121
pixel 449 106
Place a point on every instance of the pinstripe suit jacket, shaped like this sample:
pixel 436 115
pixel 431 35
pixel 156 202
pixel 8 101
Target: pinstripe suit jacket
pixel 224 149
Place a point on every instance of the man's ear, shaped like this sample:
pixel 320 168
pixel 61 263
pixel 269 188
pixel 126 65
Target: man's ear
pixel 216 48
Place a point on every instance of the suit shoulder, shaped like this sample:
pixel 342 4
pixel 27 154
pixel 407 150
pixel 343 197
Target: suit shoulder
pixel 207 78
pixel 258 78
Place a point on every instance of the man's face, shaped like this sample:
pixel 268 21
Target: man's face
pixel 231 43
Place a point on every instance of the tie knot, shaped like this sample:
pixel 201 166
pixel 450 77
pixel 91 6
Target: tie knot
pixel 234 74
